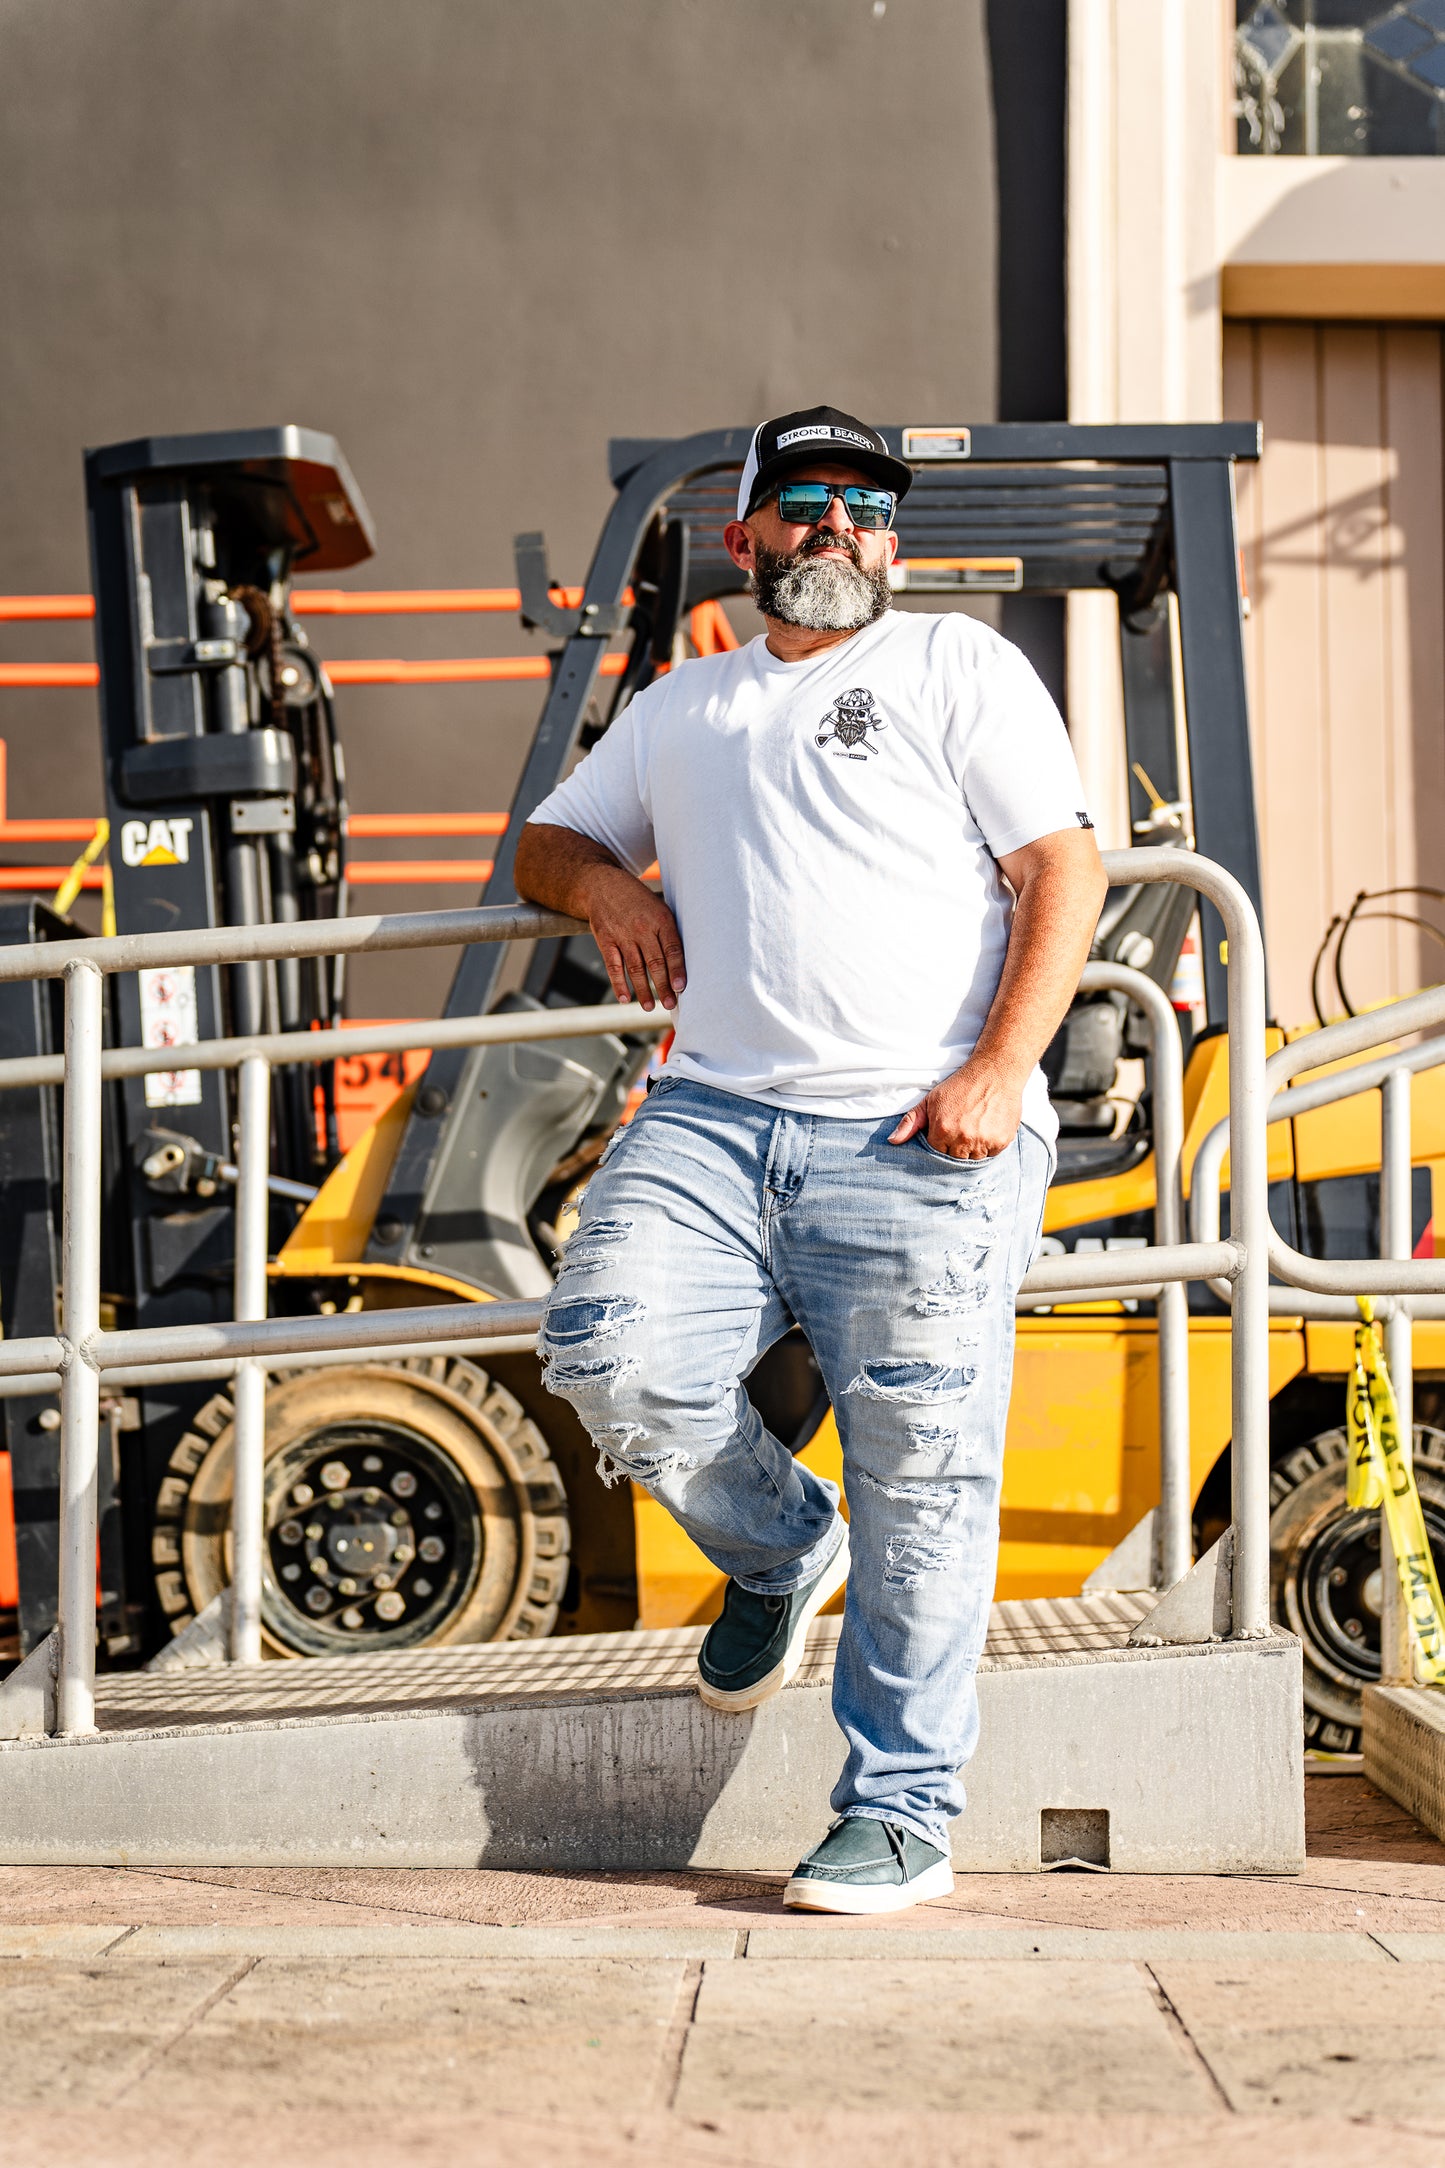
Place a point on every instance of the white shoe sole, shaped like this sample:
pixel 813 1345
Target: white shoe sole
pixel 749 1697
pixel 808 1895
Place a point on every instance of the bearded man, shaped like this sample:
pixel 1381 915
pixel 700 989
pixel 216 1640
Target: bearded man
pixel 879 885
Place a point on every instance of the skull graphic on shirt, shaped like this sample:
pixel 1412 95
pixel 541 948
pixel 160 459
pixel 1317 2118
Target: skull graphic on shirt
pixel 852 717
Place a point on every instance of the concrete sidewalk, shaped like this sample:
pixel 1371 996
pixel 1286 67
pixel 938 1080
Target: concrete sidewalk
pixel 213 2016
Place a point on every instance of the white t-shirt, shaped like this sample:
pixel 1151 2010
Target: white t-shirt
pixel 826 833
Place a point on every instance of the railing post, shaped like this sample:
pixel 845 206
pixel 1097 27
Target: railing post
pixel 1396 1659
pixel 79 1321
pixel 253 1154
pixel 1175 1537
pixel 1249 1322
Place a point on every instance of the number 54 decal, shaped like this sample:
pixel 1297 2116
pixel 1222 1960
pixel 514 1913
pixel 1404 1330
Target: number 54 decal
pixel 156 843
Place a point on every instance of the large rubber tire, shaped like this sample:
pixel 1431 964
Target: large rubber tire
pixel 1325 1575
pixel 408 1505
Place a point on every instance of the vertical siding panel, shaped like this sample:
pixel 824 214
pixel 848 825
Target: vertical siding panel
pixel 1356 744
pixel 1343 526
pixel 1416 618
pixel 1291 781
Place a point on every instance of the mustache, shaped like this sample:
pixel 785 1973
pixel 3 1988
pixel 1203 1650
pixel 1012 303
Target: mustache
pixel 824 539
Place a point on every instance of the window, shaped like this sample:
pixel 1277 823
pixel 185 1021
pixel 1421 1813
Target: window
pixel 1330 78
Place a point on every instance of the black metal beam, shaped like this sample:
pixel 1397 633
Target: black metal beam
pixel 399 1228
pixel 1216 704
pixel 1150 733
pixel 1159 442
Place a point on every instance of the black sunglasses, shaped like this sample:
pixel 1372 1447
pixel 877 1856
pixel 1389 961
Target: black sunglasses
pixel 803 504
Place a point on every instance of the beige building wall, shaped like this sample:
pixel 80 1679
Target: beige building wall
pixel 1143 288
pixel 1343 533
pixel 1309 294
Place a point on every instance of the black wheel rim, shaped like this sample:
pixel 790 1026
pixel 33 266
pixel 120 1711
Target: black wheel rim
pixel 1339 1579
pixel 374 1539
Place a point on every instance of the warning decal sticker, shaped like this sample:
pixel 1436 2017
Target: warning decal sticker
pixel 169 1017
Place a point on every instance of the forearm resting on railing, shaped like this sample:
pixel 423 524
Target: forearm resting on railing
pixel 632 926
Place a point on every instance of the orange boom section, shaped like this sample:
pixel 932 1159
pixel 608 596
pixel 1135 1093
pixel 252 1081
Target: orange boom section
pixel 708 627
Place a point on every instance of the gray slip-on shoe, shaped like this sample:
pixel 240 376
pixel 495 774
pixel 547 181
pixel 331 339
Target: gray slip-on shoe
pixel 751 1652
pixel 864 1865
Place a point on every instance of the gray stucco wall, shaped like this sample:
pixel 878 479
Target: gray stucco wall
pixel 472 239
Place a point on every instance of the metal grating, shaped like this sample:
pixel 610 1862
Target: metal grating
pixel 1073 526
pixel 600 1666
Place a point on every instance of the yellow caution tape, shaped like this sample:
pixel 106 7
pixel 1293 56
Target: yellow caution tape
pixel 1380 1474
pixel 70 887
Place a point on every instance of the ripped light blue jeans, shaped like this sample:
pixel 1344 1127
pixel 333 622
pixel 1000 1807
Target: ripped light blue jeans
pixel 712 1224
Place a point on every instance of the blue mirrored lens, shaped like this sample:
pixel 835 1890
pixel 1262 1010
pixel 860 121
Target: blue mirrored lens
pixel 869 507
pixel 803 504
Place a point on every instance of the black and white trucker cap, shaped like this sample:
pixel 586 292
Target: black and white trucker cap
pixel 822 433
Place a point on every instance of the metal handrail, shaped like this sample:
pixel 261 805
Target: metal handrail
pixel 1396 1276
pixel 288 1048
pixel 1317 1288
pixel 82 1355
pixel 380 934
pixel 1174 1530
pixel 515 1027
pixel 1356 1034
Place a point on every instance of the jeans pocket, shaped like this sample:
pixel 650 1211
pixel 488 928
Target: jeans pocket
pixel 950 1160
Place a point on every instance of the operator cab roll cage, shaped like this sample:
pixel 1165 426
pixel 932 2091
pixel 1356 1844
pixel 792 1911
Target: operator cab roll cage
pixel 1143 512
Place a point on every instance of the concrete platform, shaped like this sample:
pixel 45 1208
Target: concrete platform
pixel 596 1754
pixel 1404 1749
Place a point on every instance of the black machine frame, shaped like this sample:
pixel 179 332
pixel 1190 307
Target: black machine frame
pixel 1141 511
pixel 215 720
pixel 226 802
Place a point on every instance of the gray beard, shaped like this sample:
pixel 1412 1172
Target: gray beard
pixel 822 594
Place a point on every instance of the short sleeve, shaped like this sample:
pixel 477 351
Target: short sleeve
pixel 603 797
pixel 1020 777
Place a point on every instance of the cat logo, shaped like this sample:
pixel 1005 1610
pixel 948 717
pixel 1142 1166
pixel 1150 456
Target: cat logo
pixel 156 843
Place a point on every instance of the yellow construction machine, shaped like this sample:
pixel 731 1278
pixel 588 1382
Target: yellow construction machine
pixel 465 1184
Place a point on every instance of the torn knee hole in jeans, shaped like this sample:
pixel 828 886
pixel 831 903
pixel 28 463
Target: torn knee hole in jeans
pixel 616 1460
pixel 643 1467
pixel 964 1285
pixel 939 1441
pixel 927 1546
pixel 590 1244
pixel 908 1558
pixel 917 1383
pixel 934 1498
pixel 591 1374
pixel 583 1318
pixel 975 1223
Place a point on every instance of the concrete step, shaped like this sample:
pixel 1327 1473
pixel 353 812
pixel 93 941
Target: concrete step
pixel 594 1752
pixel 1404 1749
